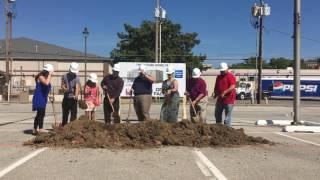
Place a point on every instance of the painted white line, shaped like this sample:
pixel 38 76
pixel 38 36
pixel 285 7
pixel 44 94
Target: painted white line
pixel 204 169
pixel 298 139
pixel 20 162
pixel 213 169
pixel 272 132
pixel 260 132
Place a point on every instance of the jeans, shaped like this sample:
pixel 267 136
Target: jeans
pixel 227 110
pixel 38 120
pixel 69 105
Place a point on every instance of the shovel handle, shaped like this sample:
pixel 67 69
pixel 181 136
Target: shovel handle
pixel 194 109
pixel 110 102
pixel 130 102
pixel 53 107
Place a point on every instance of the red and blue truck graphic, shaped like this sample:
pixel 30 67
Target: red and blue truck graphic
pixel 284 87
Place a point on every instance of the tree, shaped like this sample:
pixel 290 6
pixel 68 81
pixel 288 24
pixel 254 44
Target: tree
pixel 280 63
pixel 137 44
pixel 249 63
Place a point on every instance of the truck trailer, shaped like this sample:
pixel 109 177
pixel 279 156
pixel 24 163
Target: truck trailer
pixel 284 88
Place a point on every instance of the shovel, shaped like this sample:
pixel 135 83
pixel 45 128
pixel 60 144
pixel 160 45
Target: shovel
pixel 129 111
pixel 55 124
pixel 196 118
pixel 115 115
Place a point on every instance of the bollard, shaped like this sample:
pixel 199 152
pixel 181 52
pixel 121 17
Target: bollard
pixel 266 99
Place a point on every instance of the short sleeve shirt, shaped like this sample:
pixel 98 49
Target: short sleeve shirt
pixel 142 86
pixel 71 84
pixel 196 87
pixel 223 82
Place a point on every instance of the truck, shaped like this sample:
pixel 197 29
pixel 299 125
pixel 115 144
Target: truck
pixel 244 89
pixel 284 88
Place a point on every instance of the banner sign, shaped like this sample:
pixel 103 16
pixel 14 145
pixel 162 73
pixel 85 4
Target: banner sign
pixel 129 71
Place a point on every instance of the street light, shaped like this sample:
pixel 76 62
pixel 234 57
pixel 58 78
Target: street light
pixel 85 35
pixel 9 14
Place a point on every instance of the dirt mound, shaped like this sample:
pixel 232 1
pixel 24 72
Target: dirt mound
pixel 91 134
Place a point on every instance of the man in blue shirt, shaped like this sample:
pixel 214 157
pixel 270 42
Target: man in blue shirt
pixel 142 89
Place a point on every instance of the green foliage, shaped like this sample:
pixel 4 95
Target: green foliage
pixel 137 44
pixel 280 63
pixel 250 63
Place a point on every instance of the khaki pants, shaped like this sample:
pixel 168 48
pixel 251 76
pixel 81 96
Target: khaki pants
pixel 142 104
pixel 201 109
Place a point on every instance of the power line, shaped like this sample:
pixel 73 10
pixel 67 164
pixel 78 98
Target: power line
pixel 51 54
pixel 290 35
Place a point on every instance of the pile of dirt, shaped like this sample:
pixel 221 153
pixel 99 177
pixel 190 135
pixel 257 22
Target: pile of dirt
pixel 92 134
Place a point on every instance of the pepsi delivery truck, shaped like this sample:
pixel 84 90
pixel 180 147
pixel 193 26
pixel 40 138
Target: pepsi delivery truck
pixel 284 88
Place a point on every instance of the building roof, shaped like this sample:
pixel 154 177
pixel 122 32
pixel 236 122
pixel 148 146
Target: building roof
pixel 265 72
pixel 25 48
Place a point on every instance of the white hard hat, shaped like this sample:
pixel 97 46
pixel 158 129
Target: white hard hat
pixel 93 77
pixel 116 67
pixel 223 66
pixel 74 67
pixel 196 73
pixel 48 67
pixel 142 68
pixel 170 70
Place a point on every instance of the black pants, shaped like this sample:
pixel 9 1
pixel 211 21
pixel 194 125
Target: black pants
pixel 69 105
pixel 38 120
pixel 108 110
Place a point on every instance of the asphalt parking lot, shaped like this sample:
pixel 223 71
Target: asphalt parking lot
pixel 294 156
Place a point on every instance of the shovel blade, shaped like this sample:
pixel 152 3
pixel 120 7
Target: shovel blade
pixel 116 118
pixel 195 119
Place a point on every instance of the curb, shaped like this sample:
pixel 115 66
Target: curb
pixel 273 122
pixel 310 129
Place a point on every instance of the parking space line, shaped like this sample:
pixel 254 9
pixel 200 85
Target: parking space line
pixel 254 132
pixel 211 167
pixel 204 169
pixel 20 162
pixel 298 139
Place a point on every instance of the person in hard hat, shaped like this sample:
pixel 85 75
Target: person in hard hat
pixel 170 106
pixel 112 86
pixel 91 95
pixel 71 87
pixel 142 90
pixel 40 96
pixel 225 92
pixel 198 95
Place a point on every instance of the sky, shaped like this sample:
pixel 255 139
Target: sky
pixel 223 26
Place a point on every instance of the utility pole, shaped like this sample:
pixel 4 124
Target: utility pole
pixel 296 54
pixel 259 95
pixel 7 77
pixel 160 15
pixel 259 12
pixel 157 11
pixel 160 42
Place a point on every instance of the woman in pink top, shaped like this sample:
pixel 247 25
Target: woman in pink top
pixel 91 95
